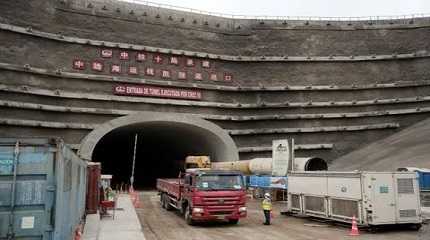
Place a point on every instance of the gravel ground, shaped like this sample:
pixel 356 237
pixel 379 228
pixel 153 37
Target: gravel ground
pixel 159 224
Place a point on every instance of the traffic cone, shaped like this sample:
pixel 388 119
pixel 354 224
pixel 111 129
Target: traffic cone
pixel 133 197
pixel 131 189
pixel 137 202
pixel 78 233
pixel 354 228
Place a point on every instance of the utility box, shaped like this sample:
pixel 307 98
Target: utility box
pixel 374 198
pixel 93 187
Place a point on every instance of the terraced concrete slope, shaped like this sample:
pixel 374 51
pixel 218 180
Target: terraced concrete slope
pixel 407 148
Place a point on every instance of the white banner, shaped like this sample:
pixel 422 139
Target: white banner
pixel 280 157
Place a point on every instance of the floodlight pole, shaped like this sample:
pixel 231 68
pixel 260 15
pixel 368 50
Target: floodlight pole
pixel 134 162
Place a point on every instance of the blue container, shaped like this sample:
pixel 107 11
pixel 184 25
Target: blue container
pixel 42 189
pixel 424 179
pixel 268 182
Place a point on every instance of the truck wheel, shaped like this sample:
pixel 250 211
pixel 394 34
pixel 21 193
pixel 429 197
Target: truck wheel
pixel 233 221
pixel 188 216
pixel 416 227
pixel 167 203
pixel 162 202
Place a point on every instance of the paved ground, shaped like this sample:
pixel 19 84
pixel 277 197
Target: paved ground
pixel 159 224
pixel 125 225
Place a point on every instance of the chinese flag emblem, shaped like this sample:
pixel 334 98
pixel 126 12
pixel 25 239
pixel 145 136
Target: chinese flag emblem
pixel 107 53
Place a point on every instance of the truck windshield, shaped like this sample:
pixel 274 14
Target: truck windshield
pixel 220 182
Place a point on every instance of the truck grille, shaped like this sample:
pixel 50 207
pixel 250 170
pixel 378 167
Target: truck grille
pixel 407 213
pixel 221 212
pixel 221 200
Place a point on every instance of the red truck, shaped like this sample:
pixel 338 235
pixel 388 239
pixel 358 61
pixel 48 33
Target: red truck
pixel 205 195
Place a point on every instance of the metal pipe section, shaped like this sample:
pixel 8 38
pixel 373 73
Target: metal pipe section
pixel 263 166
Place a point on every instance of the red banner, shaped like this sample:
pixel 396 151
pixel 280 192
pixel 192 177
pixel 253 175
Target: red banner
pixel 150 91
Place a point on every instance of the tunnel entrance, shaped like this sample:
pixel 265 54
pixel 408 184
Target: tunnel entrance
pixel 163 143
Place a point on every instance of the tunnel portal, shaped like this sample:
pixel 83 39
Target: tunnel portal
pixel 163 142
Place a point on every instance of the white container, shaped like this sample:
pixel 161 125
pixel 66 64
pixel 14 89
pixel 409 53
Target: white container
pixel 374 198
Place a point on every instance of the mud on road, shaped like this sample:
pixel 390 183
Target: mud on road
pixel 159 224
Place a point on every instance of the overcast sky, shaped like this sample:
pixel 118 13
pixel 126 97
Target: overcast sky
pixel 324 8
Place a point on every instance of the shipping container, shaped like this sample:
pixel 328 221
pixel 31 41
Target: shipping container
pixel 42 189
pixel 374 198
pixel 93 187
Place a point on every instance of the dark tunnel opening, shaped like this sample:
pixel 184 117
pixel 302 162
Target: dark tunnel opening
pixel 161 150
pixel 316 164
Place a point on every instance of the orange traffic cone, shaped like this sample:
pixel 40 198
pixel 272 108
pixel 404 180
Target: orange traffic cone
pixel 137 202
pixel 354 228
pixel 133 197
pixel 78 233
pixel 131 189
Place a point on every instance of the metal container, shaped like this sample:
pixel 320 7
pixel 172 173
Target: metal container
pixel 42 189
pixel 424 178
pixel 374 198
pixel 268 182
pixel 93 187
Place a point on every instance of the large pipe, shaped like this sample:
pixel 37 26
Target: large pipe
pixel 263 166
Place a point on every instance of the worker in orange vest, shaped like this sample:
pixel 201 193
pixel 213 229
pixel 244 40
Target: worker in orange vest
pixel 267 208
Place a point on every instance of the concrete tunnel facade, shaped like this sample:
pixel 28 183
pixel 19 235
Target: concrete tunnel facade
pixel 164 140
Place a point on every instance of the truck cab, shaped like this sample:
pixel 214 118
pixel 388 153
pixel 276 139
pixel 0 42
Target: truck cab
pixel 206 195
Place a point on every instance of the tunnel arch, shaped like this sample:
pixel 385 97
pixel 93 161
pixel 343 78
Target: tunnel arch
pixel 226 151
pixel 164 140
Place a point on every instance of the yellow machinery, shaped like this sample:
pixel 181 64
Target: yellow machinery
pixel 197 162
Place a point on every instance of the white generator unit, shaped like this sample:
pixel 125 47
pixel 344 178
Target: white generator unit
pixel 374 198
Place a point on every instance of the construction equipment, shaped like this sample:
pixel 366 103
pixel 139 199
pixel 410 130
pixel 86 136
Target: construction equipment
pixel 197 162
pixel 375 198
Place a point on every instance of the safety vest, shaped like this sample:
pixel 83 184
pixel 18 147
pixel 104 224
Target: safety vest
pixel 266 204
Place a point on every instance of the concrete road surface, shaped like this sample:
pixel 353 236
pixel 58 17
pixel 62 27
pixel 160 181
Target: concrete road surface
pixel 159 224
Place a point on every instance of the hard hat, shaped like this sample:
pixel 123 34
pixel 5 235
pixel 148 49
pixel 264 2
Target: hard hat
pixel 267 195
